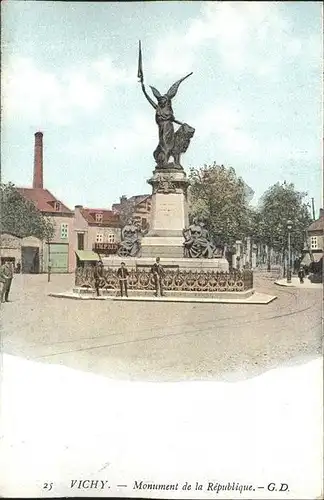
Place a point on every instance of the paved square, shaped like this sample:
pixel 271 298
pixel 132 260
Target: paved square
pixel 161 341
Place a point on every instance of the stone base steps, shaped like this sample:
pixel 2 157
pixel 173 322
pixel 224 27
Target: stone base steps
pixel 255 298
pixel 168 294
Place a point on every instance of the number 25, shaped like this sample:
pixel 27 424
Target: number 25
pixel 47 486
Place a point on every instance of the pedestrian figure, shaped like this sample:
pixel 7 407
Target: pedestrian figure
pixel 6 275
pixel 296 265
pixel 158 274
pixel 301 275
pixel 122 275
pixel 18 267
pixel 98 275
pixel 3 280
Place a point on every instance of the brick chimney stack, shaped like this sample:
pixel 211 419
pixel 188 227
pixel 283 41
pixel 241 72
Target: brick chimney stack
pixel 38 161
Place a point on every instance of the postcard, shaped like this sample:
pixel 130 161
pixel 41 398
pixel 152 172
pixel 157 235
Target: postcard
pixel 161 248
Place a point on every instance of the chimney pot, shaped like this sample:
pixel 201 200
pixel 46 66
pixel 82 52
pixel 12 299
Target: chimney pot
pixel 38 161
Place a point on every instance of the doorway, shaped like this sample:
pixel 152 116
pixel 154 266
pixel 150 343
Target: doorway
pixel 30 260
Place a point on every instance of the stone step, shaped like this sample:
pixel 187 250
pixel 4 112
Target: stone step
pixel 168 293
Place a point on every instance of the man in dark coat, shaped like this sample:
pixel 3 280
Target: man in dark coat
pixel 158 273
pixel 301 275
pixel 122 275
pixel 98 275
pixel 6 275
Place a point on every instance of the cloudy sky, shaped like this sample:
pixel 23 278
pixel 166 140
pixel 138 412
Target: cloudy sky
pixel 70 70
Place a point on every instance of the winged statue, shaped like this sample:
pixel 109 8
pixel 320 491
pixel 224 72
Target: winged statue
pixel 171 143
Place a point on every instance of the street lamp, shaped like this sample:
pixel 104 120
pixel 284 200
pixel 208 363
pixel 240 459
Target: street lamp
pixel 289 227
pixel 49 264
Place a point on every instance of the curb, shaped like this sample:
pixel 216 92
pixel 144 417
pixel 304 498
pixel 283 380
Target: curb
pixel 308 286
pixel 266 299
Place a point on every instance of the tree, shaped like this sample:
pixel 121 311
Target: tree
pixel 21 217
pixel 220 197
pixel 280 203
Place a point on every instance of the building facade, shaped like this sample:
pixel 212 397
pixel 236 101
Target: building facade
pixel 57 253
pixel 96 230
pixel 315 240
pixel 26 252
pixel 137 208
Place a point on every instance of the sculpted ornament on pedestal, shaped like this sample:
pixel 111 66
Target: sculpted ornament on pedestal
pixel 164 184
pixel 197 242
pixel 165 187
pixel 131 240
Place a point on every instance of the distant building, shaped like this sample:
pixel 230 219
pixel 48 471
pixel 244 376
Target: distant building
pixel 96 231
pixel 10 248
pixel 59 250
pixel 315 240
pixel 136 207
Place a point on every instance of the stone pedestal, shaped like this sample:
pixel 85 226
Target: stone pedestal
pixel 169 213
pixel 194 265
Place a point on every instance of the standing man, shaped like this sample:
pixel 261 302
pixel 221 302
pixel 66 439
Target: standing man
pixel 6 275
pixel 3 280
pixel 301 275
pixel 158 273
pixel 98 275
pixel 122 275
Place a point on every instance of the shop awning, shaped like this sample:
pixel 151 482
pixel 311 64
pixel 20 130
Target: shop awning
pixel 87 255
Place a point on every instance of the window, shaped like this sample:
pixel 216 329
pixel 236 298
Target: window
pixel 111 238
pixel 80 241
pixel 64 231
pixel 57 206
pixel 99 238
pixel 98 217
pixel 314 242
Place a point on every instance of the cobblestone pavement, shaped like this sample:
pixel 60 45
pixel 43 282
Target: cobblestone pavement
pixel 158 341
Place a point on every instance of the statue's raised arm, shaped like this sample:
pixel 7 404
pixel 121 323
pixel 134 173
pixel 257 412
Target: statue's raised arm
pixel 147 96
pixel 140 76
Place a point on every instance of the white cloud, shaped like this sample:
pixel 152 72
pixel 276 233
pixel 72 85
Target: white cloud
pixel 248 36
pixel 173 56
pixel 129 141
pixel 108 73
pixel 134 138
pixel 43 97
pixel 227 124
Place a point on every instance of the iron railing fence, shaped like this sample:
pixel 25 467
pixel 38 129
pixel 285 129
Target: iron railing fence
pixel 173 280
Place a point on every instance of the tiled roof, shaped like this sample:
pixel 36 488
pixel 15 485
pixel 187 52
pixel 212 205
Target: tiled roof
pixel 317 225
pixel 109 217
pixel 44 200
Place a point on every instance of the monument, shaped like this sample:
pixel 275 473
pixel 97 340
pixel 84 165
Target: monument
pixel 169 212
pixel 193 265
pixel 169 237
